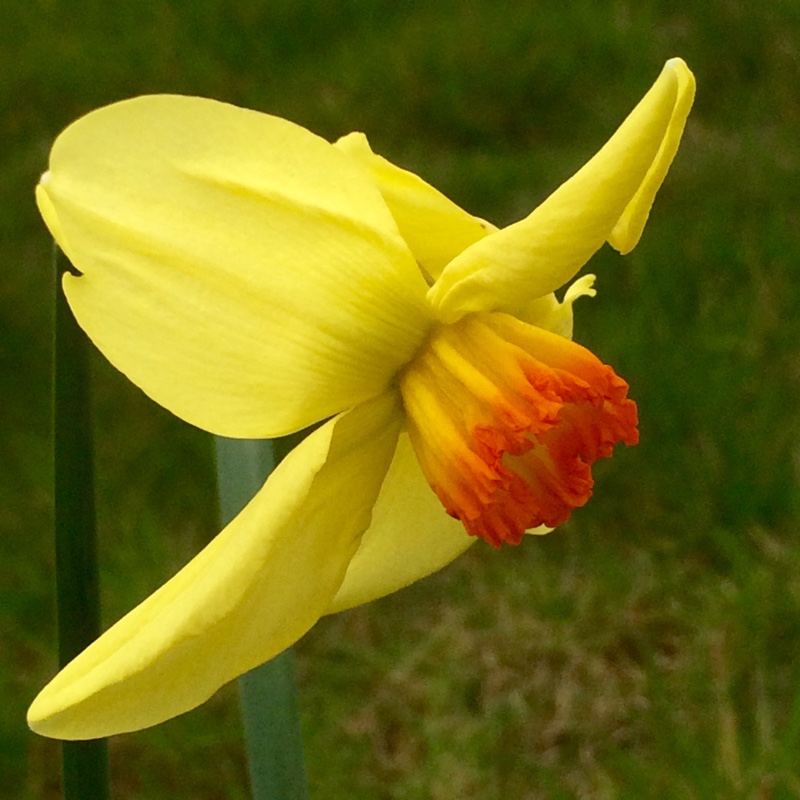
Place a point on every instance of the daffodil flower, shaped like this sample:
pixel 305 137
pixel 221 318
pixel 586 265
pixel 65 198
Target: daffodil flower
pixel 255 279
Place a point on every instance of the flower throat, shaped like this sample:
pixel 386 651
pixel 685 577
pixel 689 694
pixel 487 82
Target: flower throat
pixel 507 419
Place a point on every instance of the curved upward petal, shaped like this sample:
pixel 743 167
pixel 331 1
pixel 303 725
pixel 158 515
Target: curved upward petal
pixel 628 230
pixel 259 586
pixel 609 198
pixel 434 227
pixel 242 271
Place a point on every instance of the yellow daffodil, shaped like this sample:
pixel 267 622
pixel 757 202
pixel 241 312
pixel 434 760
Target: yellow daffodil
pixel 255 279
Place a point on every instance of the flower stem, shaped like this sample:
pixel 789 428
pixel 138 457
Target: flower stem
pixel 268 693
pixel 84 764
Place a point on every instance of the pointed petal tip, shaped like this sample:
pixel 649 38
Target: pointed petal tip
pixel 628 229
pixel 43 719
pixel 49 715
pixel 35 718
pixel 687 83
pixel 678 65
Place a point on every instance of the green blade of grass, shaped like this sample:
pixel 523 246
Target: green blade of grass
pixel 84 764
pixel 268 693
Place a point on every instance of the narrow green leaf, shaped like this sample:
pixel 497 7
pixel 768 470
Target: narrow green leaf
pixel 268 693
pixel 84 764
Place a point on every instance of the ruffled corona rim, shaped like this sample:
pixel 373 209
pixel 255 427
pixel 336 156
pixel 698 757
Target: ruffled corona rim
pixel 507 420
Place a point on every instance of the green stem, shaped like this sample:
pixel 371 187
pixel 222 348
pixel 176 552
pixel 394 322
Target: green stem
pixel 84 764
pixel 268 693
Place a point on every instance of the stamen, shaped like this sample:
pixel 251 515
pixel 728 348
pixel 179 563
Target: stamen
pixel 506 420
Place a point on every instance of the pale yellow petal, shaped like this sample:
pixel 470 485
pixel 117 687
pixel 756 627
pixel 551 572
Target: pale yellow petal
pixel 410 537
pixel 258 587
pixel 242 271
pixel 609 197
pixel 435 228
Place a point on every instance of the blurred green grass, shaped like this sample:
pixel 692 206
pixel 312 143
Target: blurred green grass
pixel 651 648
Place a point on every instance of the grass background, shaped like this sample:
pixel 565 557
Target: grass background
pixel 651 647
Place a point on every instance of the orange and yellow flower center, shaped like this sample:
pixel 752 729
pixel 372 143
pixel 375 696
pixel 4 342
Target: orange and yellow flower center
pixel 506 420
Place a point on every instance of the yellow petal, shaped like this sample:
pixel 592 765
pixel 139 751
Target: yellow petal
pixel 410 537
pixel 259 586
pixel 242 271
pixel 626 233
pixel 609 197
pixel 435 228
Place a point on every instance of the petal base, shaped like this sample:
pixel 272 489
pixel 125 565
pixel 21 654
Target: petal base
pixel 410 536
